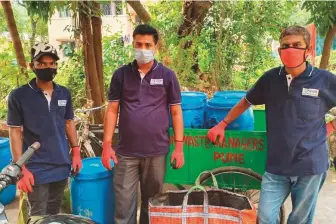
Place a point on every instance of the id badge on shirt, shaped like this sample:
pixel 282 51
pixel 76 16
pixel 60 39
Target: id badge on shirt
pixel 310 92
pixel 62 103
pixel 156 82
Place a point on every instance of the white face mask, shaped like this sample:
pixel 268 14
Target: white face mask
pixel 143 56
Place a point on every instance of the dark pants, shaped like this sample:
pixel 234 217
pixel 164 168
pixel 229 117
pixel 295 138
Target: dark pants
pixel 46 199
pixel 127 174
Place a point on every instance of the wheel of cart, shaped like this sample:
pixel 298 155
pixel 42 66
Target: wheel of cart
pixel 242 181
pixel 237 163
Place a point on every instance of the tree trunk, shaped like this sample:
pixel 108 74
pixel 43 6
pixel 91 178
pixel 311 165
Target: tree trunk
pixel 194 13
pixel 84 48
pixel 146 18
pixel 90 60
pixel 327 47
pixel 8 11
pixel 97 45
pixel 140 10
pixel 33 24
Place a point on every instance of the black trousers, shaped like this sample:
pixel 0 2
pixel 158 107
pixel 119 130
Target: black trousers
pixel 46 199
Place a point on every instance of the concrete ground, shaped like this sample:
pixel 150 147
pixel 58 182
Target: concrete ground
pixel 325 211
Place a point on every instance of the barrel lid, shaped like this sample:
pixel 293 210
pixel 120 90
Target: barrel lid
pixel 4 142
pixel 194 94
pixel 230 94
pixel 93 169
pixel 220 102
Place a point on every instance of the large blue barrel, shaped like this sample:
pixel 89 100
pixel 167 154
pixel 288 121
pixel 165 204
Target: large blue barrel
pixel 232 94
pixel 92 193
pixel 200 95
pixel 193 105
pixel 220 105
pixel 7 195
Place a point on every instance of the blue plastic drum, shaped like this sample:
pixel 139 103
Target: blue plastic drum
pixel 220 105
pixel 8 194
pixel 92 193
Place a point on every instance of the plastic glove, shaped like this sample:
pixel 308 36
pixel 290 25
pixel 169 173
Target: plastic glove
pixel 177 156
pixel 26 183
pixel 217 131
pixel 330 129
pixel 108 153
pixel 76 159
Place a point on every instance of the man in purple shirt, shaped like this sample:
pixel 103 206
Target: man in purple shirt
pixel 144 91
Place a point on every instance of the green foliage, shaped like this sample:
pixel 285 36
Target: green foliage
pixel 166 17
pixel 323 14
pixel 45 9
pixel 233 47
pixel 23 23
pixel 71 72
pixel 245 27
pixel 232 51
pixel 332 62
pixel 115 54
pixel 10 76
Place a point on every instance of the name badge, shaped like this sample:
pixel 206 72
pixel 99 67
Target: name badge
pixel 310 92
pixel 154 82
pixel 62 103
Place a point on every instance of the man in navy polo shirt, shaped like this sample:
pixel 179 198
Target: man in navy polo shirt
pixel 44 110
pixel 297 97
pixel 144 90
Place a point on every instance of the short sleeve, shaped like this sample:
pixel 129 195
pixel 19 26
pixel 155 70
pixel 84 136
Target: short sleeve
pixel 69 113
pixel 115 90
pixel 14 113
pixel 174 90
pixel 256 95
pixel 331 91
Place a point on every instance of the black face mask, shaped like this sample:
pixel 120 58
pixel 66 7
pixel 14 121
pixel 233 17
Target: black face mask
pixel 46 74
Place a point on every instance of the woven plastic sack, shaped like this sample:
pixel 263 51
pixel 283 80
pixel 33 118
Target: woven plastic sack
pixel 200 206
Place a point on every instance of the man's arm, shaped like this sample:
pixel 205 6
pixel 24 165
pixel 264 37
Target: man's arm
pixel 177 157
pixel 15 138
pixel 237 110
pixel 15 123
pixel 71 133
pixel 177 119
pixel 255 96
pixel 111 116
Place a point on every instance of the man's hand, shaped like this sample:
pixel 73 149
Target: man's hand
pixel 26 183
pixel 108 153
pixel 76 159
pixel 178 155
pixel 217 131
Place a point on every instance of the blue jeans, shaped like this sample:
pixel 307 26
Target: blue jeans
pixel 275 190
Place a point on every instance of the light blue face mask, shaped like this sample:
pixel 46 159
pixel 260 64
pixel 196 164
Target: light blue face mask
pixel 143 56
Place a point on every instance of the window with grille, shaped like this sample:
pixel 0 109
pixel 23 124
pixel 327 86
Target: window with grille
pixel 106 9
pixel 64 13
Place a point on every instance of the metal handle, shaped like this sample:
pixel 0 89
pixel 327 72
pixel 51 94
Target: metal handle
pixel 214 180
pixel 89 109
pixel 196 123
pixel 29 153
pixel 213 121
pixel 205 203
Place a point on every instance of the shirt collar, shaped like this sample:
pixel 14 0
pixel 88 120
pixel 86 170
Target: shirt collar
pixel 135 66
pixel 305 74
pixel 32 84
